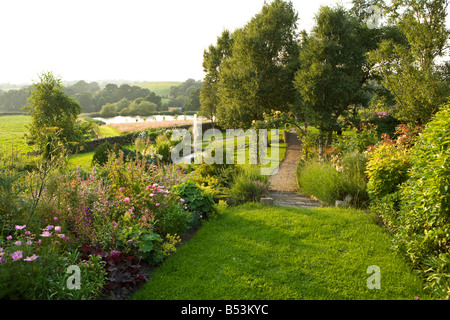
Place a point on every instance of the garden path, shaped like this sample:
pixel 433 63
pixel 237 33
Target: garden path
pixel 283 186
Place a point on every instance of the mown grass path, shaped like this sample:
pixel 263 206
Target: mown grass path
pixel 255 252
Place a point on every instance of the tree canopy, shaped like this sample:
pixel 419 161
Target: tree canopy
pixel 54 116
pixel 251 70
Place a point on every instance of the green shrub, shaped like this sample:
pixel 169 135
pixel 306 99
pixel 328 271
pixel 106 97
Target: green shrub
pixel 387 169
pixel 176 220
pixel 249 185
pixel 362 138
pixel 102 152
pixel 195 198
pixel 424 230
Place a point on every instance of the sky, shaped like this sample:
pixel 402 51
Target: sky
pixel 132 40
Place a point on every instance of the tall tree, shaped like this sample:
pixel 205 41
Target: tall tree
pixel 330 77
pixel 54 115
pixel 411 71
pixel 258 75
pixel 212 61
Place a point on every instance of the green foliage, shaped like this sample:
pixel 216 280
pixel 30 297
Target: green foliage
pixel 258 73
pixel 103 152
pixel 358 141
pixel 320 180
pixel 330 77
pixel 410 70
pixel 249 185
pixel 387 169
pixel 11 203
pixel 93 277
pixel 176 220
pixel 424 216
pixel 337 179
pixel 389 163
pixel 54 116
pixel 195 198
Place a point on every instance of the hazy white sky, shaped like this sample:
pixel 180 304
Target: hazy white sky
pixel 137 40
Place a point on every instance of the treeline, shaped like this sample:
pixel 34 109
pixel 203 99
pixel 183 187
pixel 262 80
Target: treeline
pixel 373 56
pixel 113 99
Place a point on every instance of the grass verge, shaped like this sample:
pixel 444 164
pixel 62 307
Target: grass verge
pixel 253 252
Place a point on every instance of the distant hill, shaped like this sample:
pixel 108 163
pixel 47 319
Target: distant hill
pixel 161 89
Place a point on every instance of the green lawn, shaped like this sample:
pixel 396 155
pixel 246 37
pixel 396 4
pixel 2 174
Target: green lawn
pixel 254 252
pixel 12 130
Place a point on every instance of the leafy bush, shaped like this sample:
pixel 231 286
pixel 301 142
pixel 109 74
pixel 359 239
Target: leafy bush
pixel 215 178
pixel 249 185
pixel 424 230
pixel 176 220
pixel 362 138
pixel 195 198
pixel 387 169
pixel 103 151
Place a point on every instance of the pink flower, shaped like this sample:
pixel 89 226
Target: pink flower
pixel 9 238
pixel 17 255
pixel 157 204
pixel 126 200
pixel 46 234
pixel 20 227
pixel 32 258
pixel 55 218
pixel 18 243
pixel 181 199
pixel 58 229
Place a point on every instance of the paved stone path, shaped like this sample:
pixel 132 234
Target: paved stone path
pixel 283 187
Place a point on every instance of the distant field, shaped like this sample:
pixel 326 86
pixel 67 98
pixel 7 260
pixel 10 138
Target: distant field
pixel 161 89
pixel 14 127
pixel 12 130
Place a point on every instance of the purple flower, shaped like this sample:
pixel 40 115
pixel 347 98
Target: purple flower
pixel 9 238
pixel 17 255
pixel 32 258
pixel 18 243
